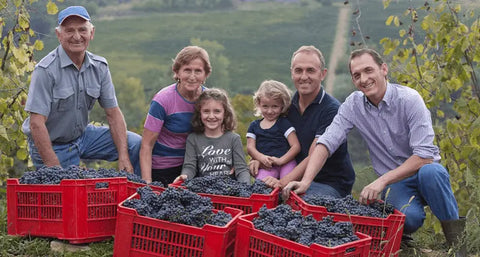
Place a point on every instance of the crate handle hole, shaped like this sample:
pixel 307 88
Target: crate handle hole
pixel 101 185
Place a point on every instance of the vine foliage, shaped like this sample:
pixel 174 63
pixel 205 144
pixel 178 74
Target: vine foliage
pixel 17 47
pixel 438 54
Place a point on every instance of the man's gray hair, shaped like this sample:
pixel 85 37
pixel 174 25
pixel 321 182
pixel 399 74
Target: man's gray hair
pixel 89 25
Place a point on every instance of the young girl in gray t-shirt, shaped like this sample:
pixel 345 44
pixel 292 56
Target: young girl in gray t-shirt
pixel 213 149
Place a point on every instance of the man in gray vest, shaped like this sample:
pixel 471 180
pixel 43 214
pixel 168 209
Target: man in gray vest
pixel 64 87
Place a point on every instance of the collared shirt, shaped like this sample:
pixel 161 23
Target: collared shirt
pixel 338 170
pixel 66 95
pixel 398 128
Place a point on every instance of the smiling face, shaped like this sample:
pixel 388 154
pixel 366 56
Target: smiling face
pixel 369 77
pixel 74 35
pixel 191 76
pixel 270 108
pixel 212 115
pixel 307 73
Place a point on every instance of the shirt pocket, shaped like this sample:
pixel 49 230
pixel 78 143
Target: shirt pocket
pixel 63 99
pixel 93 93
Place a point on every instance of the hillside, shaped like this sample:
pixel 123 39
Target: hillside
pixel 257 43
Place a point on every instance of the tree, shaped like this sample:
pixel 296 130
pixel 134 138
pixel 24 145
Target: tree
pixel 243 106
pixel 220 77
pixel 443 65
pixel 131 99
pixel 16 64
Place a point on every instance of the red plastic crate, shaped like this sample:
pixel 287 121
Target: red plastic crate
pixel 386 232
pixel 74 210
pixel 140 236
pixel 252 242
pixel 247 205
pixel 132 188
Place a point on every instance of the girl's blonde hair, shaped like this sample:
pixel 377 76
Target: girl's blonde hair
pixel 274 90
pixel 220 95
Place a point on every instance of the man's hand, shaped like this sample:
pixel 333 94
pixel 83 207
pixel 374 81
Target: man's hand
pixel 371 192
pixel 118 129
pixel 125 165
pixel 180 178
pixel 299 187
pixel 271 181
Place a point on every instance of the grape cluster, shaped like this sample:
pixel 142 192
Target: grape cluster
pixel 225 185
pixel 156 183
pixel 282 221
pixel 349 205
pixel 177 205
pixel 54 175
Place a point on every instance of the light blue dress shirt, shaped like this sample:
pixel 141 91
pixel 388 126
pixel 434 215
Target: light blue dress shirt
pixel 398 128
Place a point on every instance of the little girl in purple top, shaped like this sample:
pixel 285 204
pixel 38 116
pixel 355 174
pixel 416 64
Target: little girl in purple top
pixel 272 140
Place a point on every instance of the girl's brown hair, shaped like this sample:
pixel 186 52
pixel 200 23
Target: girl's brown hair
pixel 220 95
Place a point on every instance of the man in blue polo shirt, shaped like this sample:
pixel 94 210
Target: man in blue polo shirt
pixel 64 87
pixel 311 111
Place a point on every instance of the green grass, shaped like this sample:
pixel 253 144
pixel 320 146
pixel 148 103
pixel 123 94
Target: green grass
pixel 14 246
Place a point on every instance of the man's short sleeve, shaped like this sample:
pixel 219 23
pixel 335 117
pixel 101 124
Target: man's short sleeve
pixel 40 92
pixel 107 97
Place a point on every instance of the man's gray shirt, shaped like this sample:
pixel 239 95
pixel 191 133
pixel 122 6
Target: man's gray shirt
pixel 66 95
pixel 398 128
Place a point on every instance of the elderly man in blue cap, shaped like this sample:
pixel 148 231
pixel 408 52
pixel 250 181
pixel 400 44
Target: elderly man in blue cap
pixel 64 87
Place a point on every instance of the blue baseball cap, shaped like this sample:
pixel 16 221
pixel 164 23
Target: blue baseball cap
pixel 79 11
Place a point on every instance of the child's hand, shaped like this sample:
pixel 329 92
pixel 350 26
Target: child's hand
pixel 254 165
pixel 276 161
pixel 267 162
pixel 180 178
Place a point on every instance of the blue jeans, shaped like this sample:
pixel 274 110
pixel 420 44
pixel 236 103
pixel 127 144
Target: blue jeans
pixel 322 189
pixel 430 186
pixel 95 143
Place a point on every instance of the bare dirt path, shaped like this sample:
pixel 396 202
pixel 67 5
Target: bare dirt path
pixel 338 47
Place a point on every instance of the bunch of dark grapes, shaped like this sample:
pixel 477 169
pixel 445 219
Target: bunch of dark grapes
pixel 225 185
pixel 177 205
pixel 349 205
pixel 54 175
pixel 282 221
pixel 50 175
